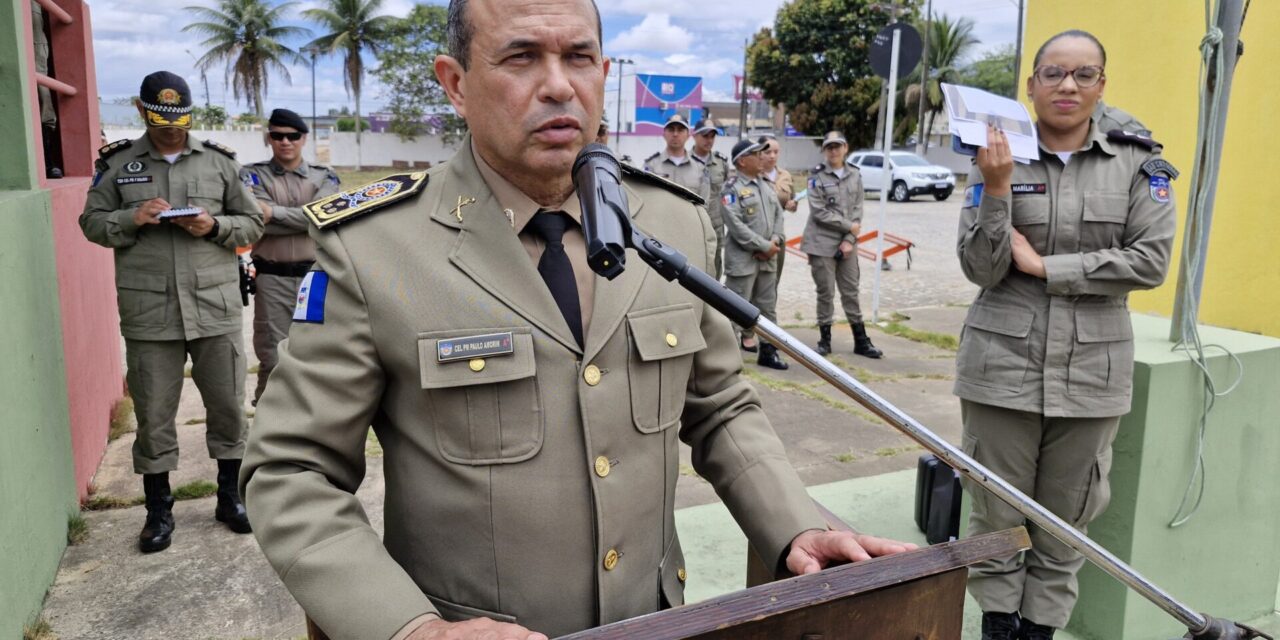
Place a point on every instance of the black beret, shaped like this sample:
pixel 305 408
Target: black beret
pixel 287 118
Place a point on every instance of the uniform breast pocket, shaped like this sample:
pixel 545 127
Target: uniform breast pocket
pixel 484 411
pixel 663 342
pixel 205 194
pixel 142 298
pixel 994 351
pixel 218 292
pixel 1105 215
pixel 1102 358
pixel 1030 216
pixel 132 195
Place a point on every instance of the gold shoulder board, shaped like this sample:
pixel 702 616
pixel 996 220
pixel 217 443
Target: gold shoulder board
pixel 345 206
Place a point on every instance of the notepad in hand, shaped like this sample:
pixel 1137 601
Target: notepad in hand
pixel 184 212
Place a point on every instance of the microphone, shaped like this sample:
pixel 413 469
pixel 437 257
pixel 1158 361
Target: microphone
pixel 606 216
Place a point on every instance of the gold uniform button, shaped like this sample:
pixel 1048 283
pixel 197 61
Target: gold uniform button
pixel 477 365
pixel 610 560
pixel 672 340
pixel 591 375
pixel 681 575
pixel 602 466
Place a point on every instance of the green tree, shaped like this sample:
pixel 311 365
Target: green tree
pixel 249 119
pixel 210 116
pixel 246 36
pixel 993 72
pixel 351 27
pixel 815 59
pixel 949 43
pixel 347 125
pixel 406 69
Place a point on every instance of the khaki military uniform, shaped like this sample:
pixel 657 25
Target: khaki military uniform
pixel 1108 118
pixel 718 172
pixel 835 204
pixel 535 485
pixel 754 221
pixel 784 186
pixel 686 172
pixel 285 253
pixel 178 295
pixel 1045 367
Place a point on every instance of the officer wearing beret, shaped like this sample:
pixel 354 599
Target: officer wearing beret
pixel 529 411
pixel 753 217
pixel 177 281
pixel 674 162
pixel 285 253
pixel 717 169
pixel 831 240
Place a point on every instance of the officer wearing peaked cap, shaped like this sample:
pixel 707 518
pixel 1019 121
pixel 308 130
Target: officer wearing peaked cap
pixel 675 163
pixel 718 171
pixel 177 280
pixel 285 253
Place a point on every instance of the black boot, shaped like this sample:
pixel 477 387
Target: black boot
pixel 824 339
pixel 769 357
pixel 742 344
pixel 1000 626
pixel 157 533
pixel 230 509
pixel 1033 631
pixel 862 344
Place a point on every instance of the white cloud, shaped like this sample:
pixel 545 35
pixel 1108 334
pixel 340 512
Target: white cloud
pixel 654 33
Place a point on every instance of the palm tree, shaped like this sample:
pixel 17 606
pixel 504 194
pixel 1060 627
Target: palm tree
pixel 949 43
pixel 247 36
pixel 351 28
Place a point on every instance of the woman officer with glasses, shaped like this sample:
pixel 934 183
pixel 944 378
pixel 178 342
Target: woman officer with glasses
pixel 1045 366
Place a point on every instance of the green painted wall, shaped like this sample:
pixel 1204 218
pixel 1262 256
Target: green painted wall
pixel 37 490
pixel 1226 560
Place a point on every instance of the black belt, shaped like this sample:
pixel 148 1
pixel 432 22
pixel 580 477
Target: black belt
pixel 283 269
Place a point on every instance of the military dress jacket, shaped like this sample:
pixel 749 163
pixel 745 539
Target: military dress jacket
pixel 170 284
pixel 718 173
pixel 1104 224
pixel 753 221
pixel 285 238
pixel 690 173
pixel 536 484
pixel 835 203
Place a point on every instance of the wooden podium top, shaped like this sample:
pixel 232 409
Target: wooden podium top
pixel 795 594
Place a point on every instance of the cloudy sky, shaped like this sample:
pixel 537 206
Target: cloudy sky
pixel 133 37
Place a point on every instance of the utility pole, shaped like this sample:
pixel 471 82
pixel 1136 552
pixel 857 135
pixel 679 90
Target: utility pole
pixel 1017 52
pixel 742 117
pixel 617 132
pixel 312 51
pixel 894 11
pixel 922 139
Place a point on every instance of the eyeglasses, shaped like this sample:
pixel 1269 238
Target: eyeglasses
pixel 292 136
pixel 1051 75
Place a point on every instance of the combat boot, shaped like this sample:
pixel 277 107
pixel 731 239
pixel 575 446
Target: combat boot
pixel 157 533
pixel 230 509
pixel 1000 626
pixel 769 357
pixel 862 343
pixel 824 339
pixel 1032 631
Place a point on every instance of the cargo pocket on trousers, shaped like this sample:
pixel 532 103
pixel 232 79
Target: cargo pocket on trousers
pixel 663 342
pixel 977 495
pixel 1097 495
pixel 484 410
pixel 671 576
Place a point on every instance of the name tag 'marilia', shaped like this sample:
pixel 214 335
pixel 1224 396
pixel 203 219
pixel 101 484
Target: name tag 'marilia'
pixel 470 347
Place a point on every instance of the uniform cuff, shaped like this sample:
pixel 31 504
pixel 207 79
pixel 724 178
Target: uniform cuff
pixel 850 238
pixel 1062 271
pixel 413 625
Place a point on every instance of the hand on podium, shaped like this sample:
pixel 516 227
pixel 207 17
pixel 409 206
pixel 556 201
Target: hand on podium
pixel 474 629
pixel 814 550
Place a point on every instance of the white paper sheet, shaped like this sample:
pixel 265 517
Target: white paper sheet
pixel 970 110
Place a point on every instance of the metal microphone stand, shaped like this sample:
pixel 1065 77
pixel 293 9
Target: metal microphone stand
pixel 673 265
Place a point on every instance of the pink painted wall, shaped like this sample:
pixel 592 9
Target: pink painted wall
pixel 86 272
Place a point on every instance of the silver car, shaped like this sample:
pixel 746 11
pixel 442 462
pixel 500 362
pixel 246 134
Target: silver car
pixel 911 175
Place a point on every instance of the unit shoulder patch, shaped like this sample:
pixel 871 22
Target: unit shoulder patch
pixel 345 206
pixel 1120 135
pixel 220 148
pixel 641 175
pixel 1160 165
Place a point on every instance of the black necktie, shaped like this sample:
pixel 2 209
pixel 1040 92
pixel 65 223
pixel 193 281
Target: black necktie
pixel 555 268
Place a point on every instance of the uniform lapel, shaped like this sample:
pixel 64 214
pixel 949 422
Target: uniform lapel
pixel 615 298
pixel 489 251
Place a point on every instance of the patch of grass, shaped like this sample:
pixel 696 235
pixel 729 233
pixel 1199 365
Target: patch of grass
pixel 687 471
pixel 928 376
pixel 799 316
pixel 102 503
pixel 848 456
pixel 39 629
pixel 195 421
pixel 77 529
pixel 194 490
pixel 372 448
pixel 122 420
pixel 889 452
pixel 939 340
pixel 863 375
pixel 899 317
pixel 186 373
pixel 254 369
pixel 810 392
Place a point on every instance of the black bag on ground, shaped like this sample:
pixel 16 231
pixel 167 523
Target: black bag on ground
pixel 937 500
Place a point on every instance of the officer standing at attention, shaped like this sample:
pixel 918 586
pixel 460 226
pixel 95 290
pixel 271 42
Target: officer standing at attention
pixel 717 168
pixel 1045 367
pixel 529 411
pixel 831 240
pixel 674 162
pixel 285 253
pixel 178 285
pixel 754 221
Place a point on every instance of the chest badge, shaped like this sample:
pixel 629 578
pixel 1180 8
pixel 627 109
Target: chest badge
pixel 474 347
pixel 462 202
pixel 135 167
